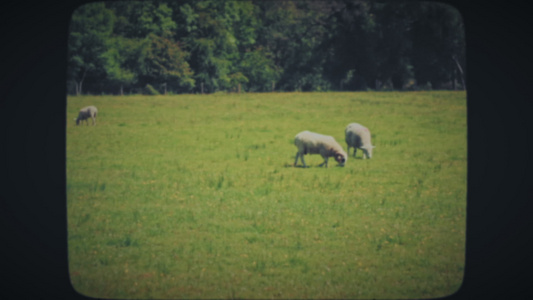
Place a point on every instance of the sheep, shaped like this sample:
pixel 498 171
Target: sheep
pixel 314 143
pixel 86 113
pixel 358 136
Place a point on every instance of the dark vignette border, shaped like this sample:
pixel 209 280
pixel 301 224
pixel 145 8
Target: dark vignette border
pixel 32 150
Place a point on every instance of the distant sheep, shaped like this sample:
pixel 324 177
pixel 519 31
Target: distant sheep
pixel 313 143
pixel 358 136
pixel 86 113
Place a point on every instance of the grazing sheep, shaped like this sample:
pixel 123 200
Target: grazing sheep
pixel 86 113
pixel 358 136
pixel 313 143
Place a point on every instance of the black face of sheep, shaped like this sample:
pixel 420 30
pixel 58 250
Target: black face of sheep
pixel 79 119
pixel 340 159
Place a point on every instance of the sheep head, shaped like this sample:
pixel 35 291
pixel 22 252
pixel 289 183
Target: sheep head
pixel 340 159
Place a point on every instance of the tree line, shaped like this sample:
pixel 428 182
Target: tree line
pixel 191 46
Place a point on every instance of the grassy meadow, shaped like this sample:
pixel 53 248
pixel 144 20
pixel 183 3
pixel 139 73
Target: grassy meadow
pixel 196 196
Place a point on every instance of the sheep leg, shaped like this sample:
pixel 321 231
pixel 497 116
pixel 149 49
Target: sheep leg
pixel 354 150
pixel 303 161
pixel 298 154
pixel 365 154
pixel 324 163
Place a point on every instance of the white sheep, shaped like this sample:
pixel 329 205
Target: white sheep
pixel 86 113
pixel 358 136
pixel 314 143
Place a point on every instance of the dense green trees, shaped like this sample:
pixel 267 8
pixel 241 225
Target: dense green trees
pixel 90 26
pixel 258 46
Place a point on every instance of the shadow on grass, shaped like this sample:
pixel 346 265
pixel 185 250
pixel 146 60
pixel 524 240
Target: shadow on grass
pixel 287 165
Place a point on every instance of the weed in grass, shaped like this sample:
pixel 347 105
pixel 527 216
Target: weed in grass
pixel 336 224
pixel 217 182
pixel 264 190
pixel 252 239
pixel 84 219
pixel 298 263
pixel 127 241
pixel 259 266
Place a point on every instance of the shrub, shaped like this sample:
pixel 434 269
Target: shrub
pixel 150 90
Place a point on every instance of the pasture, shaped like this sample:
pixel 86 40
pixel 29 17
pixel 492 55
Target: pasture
pixel 196 196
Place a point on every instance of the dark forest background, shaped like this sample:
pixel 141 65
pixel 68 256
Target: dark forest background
pixel 208 46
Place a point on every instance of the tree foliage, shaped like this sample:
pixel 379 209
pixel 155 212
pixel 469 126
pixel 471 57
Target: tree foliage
pixel 259 46
pixel 89 28
pixel 120 62
pixel 164 62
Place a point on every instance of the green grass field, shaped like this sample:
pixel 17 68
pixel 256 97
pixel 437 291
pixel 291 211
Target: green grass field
pixel 196 196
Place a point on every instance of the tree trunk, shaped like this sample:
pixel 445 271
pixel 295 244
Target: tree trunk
pixel 377 84
pixel 397 82
pixel 454 85
pixel 79 85
pixel 460 71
